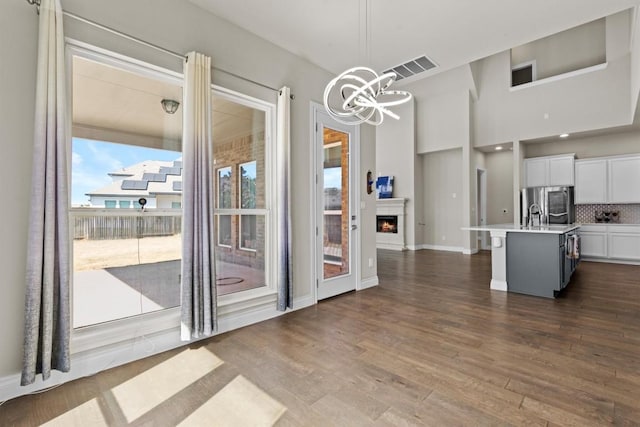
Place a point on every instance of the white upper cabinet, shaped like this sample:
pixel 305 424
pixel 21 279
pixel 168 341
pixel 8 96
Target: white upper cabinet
pixel 561 171
pixel 608 180
pixel 549 171
pixel 591 181
pixel 535 172
pixel 624 180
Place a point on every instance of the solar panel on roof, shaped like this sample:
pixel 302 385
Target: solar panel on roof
pixel 170 170
pixel 133 184
pixel 177 185
pixel 154 177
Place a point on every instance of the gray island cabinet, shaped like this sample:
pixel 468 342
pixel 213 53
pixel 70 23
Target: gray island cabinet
pixel 532 260
pixel 540 264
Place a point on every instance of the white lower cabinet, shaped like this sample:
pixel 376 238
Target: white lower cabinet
pixel 593 244
pixel 614 242
pixel 624 242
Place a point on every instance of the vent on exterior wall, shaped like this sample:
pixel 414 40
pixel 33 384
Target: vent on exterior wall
pixel 411 68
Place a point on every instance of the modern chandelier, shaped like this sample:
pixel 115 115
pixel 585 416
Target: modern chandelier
pixel 364 96
pixel 360 95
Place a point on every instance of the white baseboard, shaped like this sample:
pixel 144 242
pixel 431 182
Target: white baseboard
pixel 391 246
pixel 91 362
pixel 610 261
pixel 369 282
pixel 498 285
pixel 299 303
pixel 442 248
pixel 470 251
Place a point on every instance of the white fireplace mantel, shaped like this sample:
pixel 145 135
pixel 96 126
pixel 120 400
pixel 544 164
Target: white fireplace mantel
pixel 392 207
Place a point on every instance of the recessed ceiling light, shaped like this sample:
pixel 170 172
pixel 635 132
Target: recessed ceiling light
pixel 498 148
pixel 564 135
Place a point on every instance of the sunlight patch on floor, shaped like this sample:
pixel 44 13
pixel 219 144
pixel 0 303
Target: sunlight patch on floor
pixel 143 392
pixel 87 414
pixel 239 403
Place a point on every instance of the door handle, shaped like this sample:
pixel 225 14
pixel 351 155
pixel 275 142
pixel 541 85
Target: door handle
pixel 354 227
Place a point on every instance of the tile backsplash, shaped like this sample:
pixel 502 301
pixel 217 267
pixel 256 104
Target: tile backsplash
pixel 627 214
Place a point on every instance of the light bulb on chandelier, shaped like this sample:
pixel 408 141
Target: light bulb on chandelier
pixel 364 96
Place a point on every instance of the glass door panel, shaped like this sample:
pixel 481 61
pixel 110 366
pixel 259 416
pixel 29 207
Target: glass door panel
pixel 336 203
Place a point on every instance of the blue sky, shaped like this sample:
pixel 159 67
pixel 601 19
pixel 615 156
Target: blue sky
pixel 333 177
pixel 92 160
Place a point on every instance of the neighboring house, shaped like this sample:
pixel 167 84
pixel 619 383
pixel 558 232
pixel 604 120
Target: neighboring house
pixel 159 182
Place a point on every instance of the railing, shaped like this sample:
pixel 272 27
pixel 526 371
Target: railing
pixel 112 224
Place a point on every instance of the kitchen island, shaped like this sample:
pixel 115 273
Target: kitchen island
pixel 532 260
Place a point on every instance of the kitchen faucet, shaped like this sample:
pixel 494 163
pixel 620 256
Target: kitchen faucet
pixel 534 209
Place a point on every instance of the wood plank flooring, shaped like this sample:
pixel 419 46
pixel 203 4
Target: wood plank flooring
pixel 432 345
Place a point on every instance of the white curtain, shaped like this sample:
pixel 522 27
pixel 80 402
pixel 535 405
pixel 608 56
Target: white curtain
pixel 283 165
pixel 47 305
pixel 198 262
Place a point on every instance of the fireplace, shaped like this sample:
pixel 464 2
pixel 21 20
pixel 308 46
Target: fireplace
pixel 387 223
pixel 390 217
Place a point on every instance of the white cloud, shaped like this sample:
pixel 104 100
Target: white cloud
pixel 76 159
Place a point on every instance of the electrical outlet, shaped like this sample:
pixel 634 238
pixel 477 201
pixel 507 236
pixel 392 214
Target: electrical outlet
pixel 454 195
pixel 370 262
pixel 444 238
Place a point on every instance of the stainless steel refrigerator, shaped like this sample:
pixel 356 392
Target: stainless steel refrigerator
pixel 547 206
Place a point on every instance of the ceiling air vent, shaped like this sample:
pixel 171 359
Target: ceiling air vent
pixel 411 68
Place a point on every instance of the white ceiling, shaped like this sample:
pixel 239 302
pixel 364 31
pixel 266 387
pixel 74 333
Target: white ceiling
pixel 110 99
pixel 331 33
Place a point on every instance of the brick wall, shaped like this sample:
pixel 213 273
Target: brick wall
pixel 234 153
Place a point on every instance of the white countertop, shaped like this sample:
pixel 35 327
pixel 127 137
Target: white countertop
pixel 552 229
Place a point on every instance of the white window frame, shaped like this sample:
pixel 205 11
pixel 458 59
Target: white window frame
pixel 218 218
pixel 94 336
pixel 218 186
pixel 269 290
pixel 240 246
pixel 240 180
pixel 230 306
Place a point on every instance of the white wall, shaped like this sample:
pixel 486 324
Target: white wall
pixel 442 121
pixel 396 155
pixel 499 167
pixel 18 32
pixel 595 146
pixel 571 104
pixel 231 48
pixel 443 214
pixel 368 204
pixel 635 60
pixel 442 110
pixel 569 50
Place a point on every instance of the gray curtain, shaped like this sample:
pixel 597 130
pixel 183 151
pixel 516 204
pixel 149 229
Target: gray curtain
pixel 283 165
pixel 47 305
pixel 199 300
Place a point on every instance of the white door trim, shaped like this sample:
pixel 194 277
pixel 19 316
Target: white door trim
pixel 481 209
pixel 356 235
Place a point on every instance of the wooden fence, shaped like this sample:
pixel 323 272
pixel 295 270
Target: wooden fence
pixel 124 227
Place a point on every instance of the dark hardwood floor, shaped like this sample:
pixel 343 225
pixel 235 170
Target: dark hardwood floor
pixel 432 345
